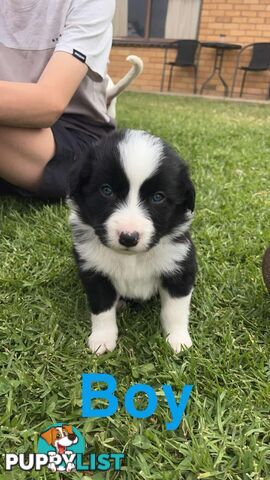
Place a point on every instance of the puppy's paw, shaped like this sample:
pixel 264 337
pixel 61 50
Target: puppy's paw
pixel 100 342
pixel 179 340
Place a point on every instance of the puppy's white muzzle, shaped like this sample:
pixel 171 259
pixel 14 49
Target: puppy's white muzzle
pixel 129 228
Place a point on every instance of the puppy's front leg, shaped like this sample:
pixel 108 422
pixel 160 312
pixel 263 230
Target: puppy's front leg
pixel 174 319
pixel 102 299
pixel 104 332
pixel 175 293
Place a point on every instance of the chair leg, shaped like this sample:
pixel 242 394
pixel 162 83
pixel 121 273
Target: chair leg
pixel 170 79
pixel 243 83
pixel 195 79
pixel 234 80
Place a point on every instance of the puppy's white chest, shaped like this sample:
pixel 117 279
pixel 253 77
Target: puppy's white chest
pixel 135 281
pixel 133 276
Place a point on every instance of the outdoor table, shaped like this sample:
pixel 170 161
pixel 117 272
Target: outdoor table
pixel 220 48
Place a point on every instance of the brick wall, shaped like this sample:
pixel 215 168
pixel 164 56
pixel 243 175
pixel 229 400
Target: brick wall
pixel 243 22
pixel 232 21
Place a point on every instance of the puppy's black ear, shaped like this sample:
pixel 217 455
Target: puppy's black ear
pixel 80 173
pixel 190 195
pixel 186 190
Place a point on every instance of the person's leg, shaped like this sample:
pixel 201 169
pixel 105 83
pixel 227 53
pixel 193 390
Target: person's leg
pixel 24 154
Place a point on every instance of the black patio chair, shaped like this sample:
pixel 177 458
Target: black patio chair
pixel 186 56
pixel 259 62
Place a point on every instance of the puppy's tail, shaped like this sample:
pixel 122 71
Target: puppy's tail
pixel 134 72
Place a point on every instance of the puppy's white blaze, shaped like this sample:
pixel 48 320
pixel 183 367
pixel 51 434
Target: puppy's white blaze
pixel 140 155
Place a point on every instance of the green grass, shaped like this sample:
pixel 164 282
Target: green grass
pixel 45 321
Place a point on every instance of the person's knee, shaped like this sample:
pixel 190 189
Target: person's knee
pixel 24 154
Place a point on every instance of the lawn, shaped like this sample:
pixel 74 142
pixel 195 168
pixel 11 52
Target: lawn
pixel 225 434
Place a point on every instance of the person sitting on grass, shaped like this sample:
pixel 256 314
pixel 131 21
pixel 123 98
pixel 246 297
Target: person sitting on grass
pixel 53 60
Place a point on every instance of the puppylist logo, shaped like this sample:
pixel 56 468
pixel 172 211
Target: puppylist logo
pixel 61 448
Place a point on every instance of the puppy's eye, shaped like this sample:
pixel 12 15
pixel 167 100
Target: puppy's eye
pixel 158 197
pixel 58 435
pixel 106 190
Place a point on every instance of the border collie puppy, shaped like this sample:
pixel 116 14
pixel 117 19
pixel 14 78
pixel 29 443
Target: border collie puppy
pixel 131 204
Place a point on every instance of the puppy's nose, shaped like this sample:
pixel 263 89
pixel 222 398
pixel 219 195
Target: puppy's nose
pixel 129 239
pixel 71 436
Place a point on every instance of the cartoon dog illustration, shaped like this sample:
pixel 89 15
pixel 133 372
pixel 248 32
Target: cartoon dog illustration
pixel 60 438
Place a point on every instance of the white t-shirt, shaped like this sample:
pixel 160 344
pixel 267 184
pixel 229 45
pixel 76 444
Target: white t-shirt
pixel 32 30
